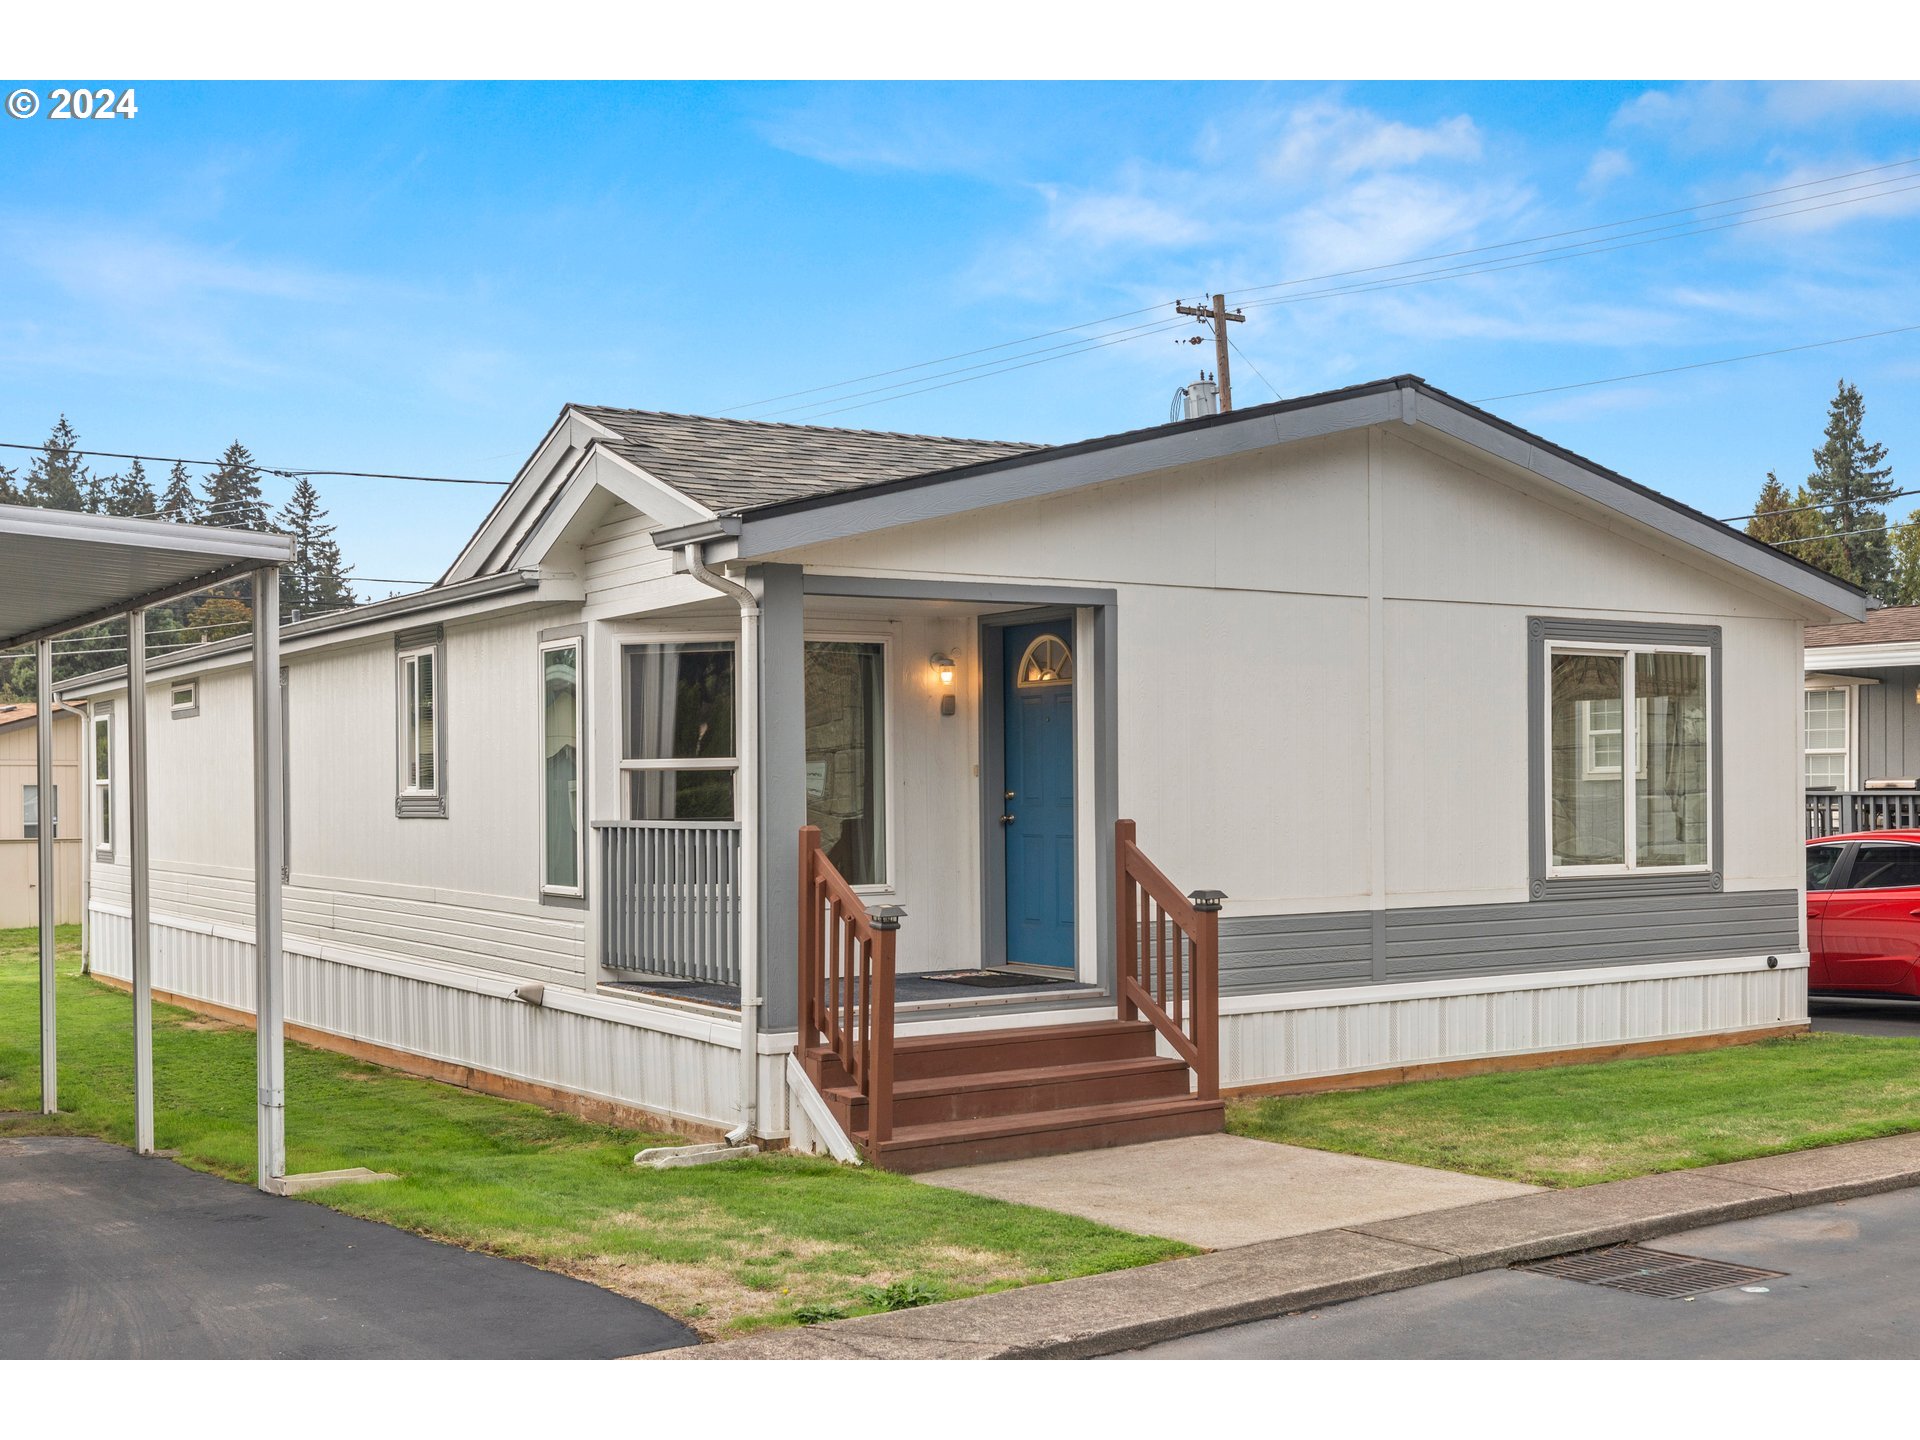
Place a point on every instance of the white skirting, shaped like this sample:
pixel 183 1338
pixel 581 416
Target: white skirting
pixel 681 1066
pixel 1304 1034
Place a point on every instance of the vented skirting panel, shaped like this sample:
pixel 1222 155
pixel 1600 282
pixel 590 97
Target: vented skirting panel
pixel 675 1075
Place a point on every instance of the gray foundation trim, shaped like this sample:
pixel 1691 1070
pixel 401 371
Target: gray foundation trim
pixel 1261 953
pixel 783 787
pixel 1542 629
pixel 421 807
pixel 874 587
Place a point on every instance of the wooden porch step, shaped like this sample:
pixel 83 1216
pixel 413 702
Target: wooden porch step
pixel 970 1052
pixel 947 1144
pixel 1034 1089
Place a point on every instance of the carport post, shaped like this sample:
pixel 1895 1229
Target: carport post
pixel 138 863
pixel 48 806
pixel 269 855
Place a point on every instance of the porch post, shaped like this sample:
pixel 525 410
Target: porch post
pixel 138 867
pixel 783 785
pixel 269 854
pixel 47 808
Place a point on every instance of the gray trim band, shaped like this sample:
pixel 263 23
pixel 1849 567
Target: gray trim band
pixel 874 587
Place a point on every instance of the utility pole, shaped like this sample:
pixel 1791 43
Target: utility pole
pixel 1218 316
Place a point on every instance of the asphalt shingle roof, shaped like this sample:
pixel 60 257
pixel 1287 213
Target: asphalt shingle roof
pixel 1895 624
pixel 737 465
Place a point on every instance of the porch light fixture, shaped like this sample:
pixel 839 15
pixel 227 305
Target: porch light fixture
pixel 943 664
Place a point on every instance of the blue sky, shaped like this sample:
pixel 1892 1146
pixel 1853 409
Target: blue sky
pixel 416 277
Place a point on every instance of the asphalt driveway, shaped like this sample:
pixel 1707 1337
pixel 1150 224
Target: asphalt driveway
pixel 105 1254
pixel 1844 1015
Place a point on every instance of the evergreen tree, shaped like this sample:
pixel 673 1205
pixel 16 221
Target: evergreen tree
pixel 177 501
pixel 1852 482
pixel 1903 585
pixel 58 478
pixel 317 578
pixel 10 488
pixel 132 493
pixel 233 492
pixel 1794 521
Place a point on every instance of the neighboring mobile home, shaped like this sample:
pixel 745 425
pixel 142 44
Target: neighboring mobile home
pixel 20 815
pixel 1492 751
pixel 1863 723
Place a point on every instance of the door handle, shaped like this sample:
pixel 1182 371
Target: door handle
pixel 1007 819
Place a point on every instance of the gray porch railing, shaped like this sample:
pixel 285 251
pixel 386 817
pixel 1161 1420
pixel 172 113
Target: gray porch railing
pixel 1845 812
pixel 670 898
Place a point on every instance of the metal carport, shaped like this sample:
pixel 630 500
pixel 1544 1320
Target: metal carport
pixel 60 571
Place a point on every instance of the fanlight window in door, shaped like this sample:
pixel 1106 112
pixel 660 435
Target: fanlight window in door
pixel 1047 662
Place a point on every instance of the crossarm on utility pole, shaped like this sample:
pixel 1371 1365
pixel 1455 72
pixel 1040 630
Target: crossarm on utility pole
pixel 1219 317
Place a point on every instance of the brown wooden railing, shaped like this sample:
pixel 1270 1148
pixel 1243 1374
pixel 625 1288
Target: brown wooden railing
pixel 846 979
pixel 1845 812
pixel 1169 953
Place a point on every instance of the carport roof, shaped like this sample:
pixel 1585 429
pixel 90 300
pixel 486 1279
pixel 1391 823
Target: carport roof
pixel 63 570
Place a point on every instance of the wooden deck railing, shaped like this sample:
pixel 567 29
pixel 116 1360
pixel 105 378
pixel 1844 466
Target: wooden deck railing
pixel 1169 954
pixel 1844 812
pixel 847 979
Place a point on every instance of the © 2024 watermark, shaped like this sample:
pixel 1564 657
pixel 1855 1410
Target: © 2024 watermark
pixel 63 102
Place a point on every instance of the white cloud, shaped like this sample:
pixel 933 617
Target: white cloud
pixel 1328 139
pixel 1608 165
pixel 1721 113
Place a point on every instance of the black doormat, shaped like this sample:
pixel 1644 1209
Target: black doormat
pixel 993 979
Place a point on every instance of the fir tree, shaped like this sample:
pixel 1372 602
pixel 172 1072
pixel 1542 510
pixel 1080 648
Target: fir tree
pixel 177 501
pixel 1852 482
pixel 58 479
pixel 1903 585
pixel 317 578
pixel 233 492
pixel 132 493
pixel 10 488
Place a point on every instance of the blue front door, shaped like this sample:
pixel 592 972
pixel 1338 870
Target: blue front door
pixel 1037 818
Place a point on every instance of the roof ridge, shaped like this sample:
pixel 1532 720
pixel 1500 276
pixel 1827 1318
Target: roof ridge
pixel 819 429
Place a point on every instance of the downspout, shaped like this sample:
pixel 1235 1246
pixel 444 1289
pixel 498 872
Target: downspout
pixel 748 703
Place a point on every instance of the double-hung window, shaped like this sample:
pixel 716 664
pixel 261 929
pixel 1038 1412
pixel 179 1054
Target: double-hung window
pixel 103 783
pixel 421 686
pixel 561 852
pixel 1605 703
pixel 1829 727
pixel 678 758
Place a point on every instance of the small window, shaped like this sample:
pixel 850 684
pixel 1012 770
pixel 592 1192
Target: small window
pixel 30 810
pixel 678 750
pixel 103 784
pixel 846 755
pixel 1821 861
pixel 1885 867
pixel 561 858
pixel 183 699
pixel 1048 661
pixel 1828 728
pixel 420 683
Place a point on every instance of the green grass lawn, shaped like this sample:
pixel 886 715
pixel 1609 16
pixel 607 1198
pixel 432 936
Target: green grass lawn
pixel 1581 1124
pixel 726 1247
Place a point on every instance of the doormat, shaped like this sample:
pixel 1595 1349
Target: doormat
pixel 992 979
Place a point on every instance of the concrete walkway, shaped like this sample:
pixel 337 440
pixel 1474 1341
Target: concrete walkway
pixel 1104 1314
pixel 1219 1191
pixel 105 1254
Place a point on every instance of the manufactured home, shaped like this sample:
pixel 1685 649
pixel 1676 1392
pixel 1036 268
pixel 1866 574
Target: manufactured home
pixel 1862 702
pixel 21 815
pixel 967 799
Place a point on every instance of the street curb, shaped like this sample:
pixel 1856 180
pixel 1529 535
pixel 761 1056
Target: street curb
pixel 1124 1310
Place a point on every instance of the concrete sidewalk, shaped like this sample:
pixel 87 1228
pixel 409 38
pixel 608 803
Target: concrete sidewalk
pixel 1103 1314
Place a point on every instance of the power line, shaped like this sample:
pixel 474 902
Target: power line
pixel 284 472
pixel 1255 368
pixel 1841 534
pixel 1698 365
pixel 1797 509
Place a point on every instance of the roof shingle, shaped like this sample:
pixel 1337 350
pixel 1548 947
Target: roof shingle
pixel 736 465
pixel 1896 624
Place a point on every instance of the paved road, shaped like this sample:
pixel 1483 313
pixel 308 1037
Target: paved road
pixel 1866 1017
pixel 1849 1293
pixel 104 1254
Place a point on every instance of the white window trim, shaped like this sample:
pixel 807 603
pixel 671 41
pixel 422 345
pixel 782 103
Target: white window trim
pixel 409 715
pixel 102 785
pixel 577 644
pixel 625 642
pixel 1629 710
pixel 183 709
pixel 1852 684
pixel 1844 749
pixel 31 829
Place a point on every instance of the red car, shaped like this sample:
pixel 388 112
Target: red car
pixel 1863 912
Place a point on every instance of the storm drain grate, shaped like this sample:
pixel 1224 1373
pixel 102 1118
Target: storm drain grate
pixel 1650 1272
